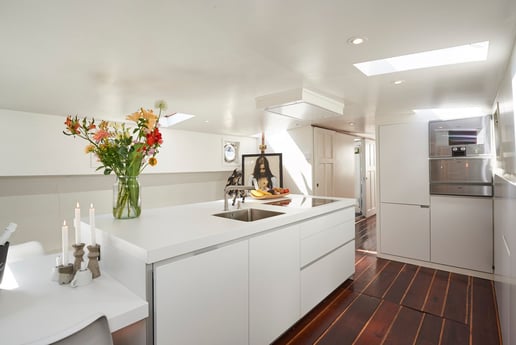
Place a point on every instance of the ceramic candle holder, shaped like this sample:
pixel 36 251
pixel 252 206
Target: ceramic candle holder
pixel 78 253
pixel 93 260
pixel 3 258
pixel 65 274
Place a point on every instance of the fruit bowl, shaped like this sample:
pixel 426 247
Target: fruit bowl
pixel 278 193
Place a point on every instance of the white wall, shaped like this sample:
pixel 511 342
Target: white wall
pixel 44 173
pixel 505 207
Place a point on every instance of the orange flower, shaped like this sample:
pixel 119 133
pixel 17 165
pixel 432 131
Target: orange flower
pixel 100 134
pixel 153 161
pixel 89 148
pixel 148 115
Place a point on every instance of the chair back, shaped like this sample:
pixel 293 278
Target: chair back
pixel 94 333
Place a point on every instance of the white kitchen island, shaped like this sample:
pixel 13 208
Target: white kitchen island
pixel 213 280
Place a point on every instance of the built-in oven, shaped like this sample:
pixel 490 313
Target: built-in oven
pixel 470 137
pixel 460 153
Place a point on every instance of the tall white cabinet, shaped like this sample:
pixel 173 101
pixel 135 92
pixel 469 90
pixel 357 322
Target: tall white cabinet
pixel 404 190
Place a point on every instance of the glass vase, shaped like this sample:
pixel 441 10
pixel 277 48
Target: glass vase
pixel 126 197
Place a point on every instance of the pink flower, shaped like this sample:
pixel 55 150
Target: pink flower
pixel 101 134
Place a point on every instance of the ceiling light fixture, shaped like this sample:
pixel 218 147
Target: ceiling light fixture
pixel 398 82
pixel 301 104
pixel 440 57
pixel 356 40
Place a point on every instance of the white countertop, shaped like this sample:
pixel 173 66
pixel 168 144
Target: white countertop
pixel 33 307
pixel 163 233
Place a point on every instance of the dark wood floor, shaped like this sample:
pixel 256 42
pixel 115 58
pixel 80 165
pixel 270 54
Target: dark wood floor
pixel 392 303
pixel 365 234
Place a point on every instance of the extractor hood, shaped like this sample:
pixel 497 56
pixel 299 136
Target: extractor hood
pixel 301 104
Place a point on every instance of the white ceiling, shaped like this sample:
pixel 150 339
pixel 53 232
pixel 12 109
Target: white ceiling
pixel 213 58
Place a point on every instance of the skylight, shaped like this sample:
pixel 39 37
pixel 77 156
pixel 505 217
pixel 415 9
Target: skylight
pixel 440 57
pixel 450 113
pixel 175 118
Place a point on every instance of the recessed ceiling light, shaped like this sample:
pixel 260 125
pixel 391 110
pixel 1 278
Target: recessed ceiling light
pixel 356 40
pixel 448 56
pixel 351 123
pixel 398 82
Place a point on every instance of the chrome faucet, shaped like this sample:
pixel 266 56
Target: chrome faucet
pixel 235 188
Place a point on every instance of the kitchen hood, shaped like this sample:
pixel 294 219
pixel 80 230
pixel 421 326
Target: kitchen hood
pixel 301 104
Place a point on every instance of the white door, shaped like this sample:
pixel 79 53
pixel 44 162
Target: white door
pixel 370 178
pixel 323 162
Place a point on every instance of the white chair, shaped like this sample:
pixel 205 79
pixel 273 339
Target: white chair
pixel 24 250
pixel 92 331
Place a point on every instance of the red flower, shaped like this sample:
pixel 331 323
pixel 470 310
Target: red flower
pixel 154 137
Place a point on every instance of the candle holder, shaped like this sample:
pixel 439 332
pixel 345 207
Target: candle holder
pixel 78 253
pixel 65 274
pixel 93 260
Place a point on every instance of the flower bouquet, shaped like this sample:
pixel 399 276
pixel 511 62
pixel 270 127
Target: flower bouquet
pixel 124 150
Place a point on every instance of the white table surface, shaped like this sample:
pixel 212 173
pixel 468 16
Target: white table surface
pixel 33 307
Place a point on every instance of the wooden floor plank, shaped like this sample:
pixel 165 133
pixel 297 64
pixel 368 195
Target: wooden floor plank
pixel 405 327
pixel 400 285
pixel 484 322
pixel 384 279
pixel 350 323
pixel 457 301
pixel 318 321
pixel 363 280
pixel 456 333
pixel 430 331
pixel 434 303
pixel 377 328
pixel 418 290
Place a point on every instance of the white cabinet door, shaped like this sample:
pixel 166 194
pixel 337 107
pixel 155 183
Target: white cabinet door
pixel 462 232
pixel 405 231
pixel 403 160
pixel 274 287
pixel 324 162
pixel 203 299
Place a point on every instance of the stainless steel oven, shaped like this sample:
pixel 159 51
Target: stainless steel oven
pixel 461 157
pixel 470 137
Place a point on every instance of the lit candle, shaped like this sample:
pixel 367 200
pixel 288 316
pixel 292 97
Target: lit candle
pixel 64 239
pixel 77 224
pixel 92 225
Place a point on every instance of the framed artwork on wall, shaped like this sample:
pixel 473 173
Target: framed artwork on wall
pixel 263 171
pixel 231 153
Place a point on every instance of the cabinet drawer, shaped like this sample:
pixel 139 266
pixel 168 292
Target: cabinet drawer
pixel 320 278
pixel 318 224
pixel 319 238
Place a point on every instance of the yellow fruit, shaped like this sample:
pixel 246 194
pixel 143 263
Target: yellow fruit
pixel 256 193
pixel 265 192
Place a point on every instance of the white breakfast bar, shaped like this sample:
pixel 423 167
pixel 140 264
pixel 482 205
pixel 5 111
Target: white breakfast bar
pixel 214 280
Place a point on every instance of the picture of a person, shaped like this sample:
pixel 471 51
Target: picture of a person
pixel 262 177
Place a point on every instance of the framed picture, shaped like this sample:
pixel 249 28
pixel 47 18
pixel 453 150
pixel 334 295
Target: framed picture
pixel 263 171
pixel 231 153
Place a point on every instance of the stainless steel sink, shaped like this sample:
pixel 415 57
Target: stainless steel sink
pixel 248 214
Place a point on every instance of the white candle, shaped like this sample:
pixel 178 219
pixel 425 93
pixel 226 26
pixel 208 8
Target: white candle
pixel 64 239
pixel 77 224
pixel 92 225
